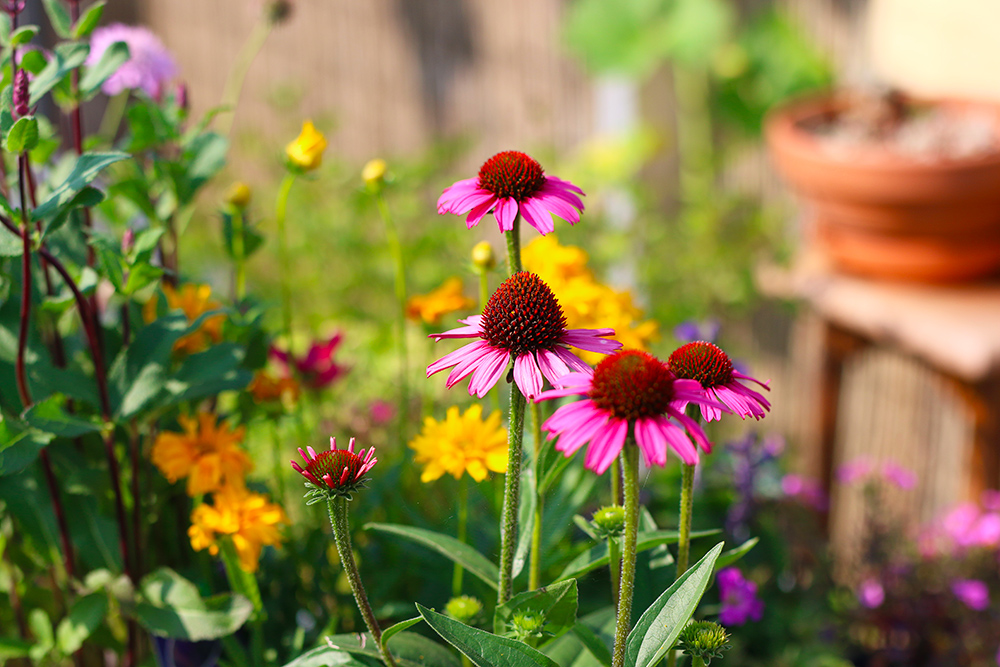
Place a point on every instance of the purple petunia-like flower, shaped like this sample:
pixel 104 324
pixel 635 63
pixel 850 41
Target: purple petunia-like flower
pixel 524 322
pixel 149 67
pixel 629 390
pixel 713 369
pixel 512 183
pixel 739 598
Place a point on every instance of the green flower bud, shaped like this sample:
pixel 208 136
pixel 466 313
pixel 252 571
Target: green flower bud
pixel 464 608
pixel 526 626
pixel 609 521
pixel 704 640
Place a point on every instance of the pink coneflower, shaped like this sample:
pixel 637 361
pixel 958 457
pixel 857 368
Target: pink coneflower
pixel 713 369
pixel 510 183
pixel 523 321
pixel 628 390
pixel 337 472
pixel 317 369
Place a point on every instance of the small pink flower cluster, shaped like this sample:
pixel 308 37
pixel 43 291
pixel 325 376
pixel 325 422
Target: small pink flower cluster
pixel 967 526
pixel 862 469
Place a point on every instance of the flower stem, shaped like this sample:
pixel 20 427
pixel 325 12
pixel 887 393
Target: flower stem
pixel 342 537
pixel 630 465
pixel 687 507
pixel 514 247
pixel 511 494
pixel 239 253
pixel 616 483
pixel 697 661
pixel 615 566
pixel 234 84
pixel 396 250
pixel 463 521
pixel 535 565
pixel 280 208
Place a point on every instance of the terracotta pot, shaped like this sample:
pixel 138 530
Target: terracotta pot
pixel 885 215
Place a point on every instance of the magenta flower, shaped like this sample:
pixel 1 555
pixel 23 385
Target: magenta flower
pixel 720 382
pixel 806 489
pixel 854 470
pixel 337 472
pixel 901 476
pixel 739 598
pixel 512 183
pixel 870 593
pixel 973 593
pixel 317 369
pixel 149 67
pixel 524 322
pixel 628 390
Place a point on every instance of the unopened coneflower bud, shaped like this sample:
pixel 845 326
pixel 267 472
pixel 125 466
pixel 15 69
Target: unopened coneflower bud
pixel 21 95
pixel 278 11
pixel 128 241
pixel 483 256
pixel 239 194
pixel 609 521
pixel 464 609
pixel 374 173
pixel 526 626
pixel 704 640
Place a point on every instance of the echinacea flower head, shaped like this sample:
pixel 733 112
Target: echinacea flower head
pixel 521 321
pixel 721 382
pixel 335 473
pixel 317 369
pixel 305 152
pixel 739 598
pixel 461 443
pixel 511 184
pixel 247 518
pixel 628 391
pixel 207 453
pixel 194 301
pixel 434 305
pixel 148 68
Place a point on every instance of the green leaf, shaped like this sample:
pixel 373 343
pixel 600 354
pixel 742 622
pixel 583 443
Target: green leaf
pixel 241 581
pixel 85 170
pixel 590 642
pixel 324 656
pixel 41 627
pixel 11 648
pixel 23 35
pixel 657 630
pixel 597 556
pixel 58 17
pixel 483 648
pixel 65 58
pixel 141 275
pixel 88 21
pixel 171 607
pixel 395 629
pixel 593 643
pixel 111 61
pixel 556 604
pixel 447 546
pixel 217 369
pixel 50 416
pixel 525 520
pixel 733 555
pixel 408 648
pixel 10 245
pixel 23 136
pixel 19 446
pixel 84 617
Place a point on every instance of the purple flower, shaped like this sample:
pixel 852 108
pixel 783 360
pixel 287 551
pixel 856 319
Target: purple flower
pixel 806 490
pixel 149 67
pixel 739 598
pixel 972 592
pixel 690 331
pixel 870 593
pixel 896 474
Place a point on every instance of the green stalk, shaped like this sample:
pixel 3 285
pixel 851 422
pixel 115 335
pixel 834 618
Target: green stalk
pixel 113 114
pixel 535 565
pixel 342 537
pixel 697 661
pixel 514 247
pixel 463 521
pixel 615 566
pixel 511 494
pixel 684 538
pixel 234 84
pixel 630 464
pixel 280 209
pixel 239 252
pixel 616 483
pixel 245 583
pixel 396 250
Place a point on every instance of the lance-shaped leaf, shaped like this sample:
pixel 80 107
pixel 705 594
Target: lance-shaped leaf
pixel 85 170
pixel 556 604
pixel 597 556
pixel 447 546
pixel 483 648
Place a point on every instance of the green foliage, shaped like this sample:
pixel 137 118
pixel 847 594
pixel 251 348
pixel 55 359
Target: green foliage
pixel 88 20
pixel 482 648
pixel 447 546
pixel 554 605
pixel 23 136
pixel 170 606
pixel 66 57
pixel 84 617
pixel 597 556
pixel 111 60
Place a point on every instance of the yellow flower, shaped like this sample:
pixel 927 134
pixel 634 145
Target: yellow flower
pixel 460 444
pixel 239 194
pixel 264 388
pixel 483 257
pixel 447 298
pixel 194 300
pixel 247 518
pixel 374 172
pixel 306 152
pixel 586 302
pixel 207 454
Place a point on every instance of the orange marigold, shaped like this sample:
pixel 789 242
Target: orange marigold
pixel 194 300
pixel 207 454
pixel 431 307
pixel 247 518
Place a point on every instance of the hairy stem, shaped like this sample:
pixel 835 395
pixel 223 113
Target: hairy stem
pixel 535 564
pixel 511 494
pixel 630 466
pixel 687 507
pixel 514 247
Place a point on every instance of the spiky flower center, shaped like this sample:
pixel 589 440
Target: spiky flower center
pixel 631 384
pixel 333 463
pixel 703 362
pixel 511 174
pixel 523 316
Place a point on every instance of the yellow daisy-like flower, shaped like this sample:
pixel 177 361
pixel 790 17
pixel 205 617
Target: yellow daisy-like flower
pixel 306 151
pixel 431 307
pixel 587 302
pixel 461 443
pixel 207 454
pixel 194 300
pixel 247 518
